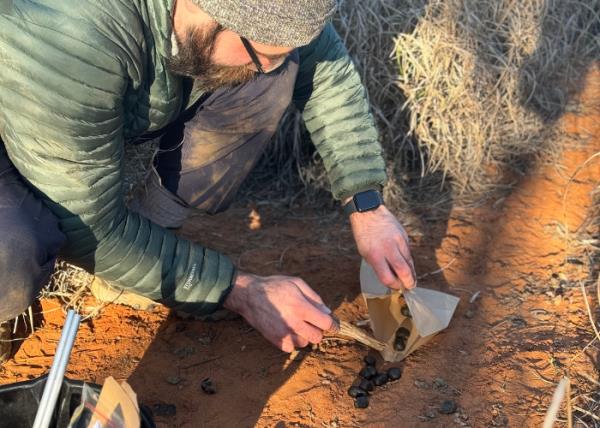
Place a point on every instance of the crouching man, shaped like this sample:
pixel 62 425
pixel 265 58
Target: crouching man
pixel 79 79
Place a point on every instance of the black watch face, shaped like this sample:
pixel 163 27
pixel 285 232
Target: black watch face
pixel 366 201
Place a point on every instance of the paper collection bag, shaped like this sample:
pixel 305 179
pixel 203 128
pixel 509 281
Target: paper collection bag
pixel 117 407
pixel 407 320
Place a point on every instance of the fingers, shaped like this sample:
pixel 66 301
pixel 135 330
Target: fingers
pixel 311 295
pixel 310 333
pixel 402 269
pixel 299 341
pixel 286 344
pixel 292 341
pixel 317 318
pixel 383 271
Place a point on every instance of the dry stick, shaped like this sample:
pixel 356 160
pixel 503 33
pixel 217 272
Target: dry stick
pixel 564 201
pixel 585 412
pixel 346 329
pixel 589 378
pixel 569 404
pixel 440 270
pixel 574 358
pixel 199 363
pixel 598 290
pixel 589 310
pixel 557 399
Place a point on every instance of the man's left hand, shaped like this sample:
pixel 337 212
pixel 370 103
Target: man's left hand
pixel 383 243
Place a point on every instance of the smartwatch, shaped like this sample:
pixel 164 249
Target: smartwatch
pixel 364 201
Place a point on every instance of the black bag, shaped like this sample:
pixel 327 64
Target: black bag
pixel 19 403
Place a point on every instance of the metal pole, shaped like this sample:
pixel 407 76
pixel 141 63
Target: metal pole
pixel 57 371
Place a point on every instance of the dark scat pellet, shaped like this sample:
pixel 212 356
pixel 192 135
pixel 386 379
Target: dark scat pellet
pixel 368 372
pixel 208 386
pixel 370 360
pixel 366 385
pixel 400 343
pixel 361 402
pixel 380 379
pixel 394 373
pixel 403 332
pixel 355 391
pixel 405 311
pixel 448 407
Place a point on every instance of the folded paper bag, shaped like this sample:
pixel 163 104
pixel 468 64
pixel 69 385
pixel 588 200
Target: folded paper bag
pixel 421 311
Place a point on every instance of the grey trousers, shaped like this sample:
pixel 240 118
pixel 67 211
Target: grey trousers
pixel 205 155
pixel 29 241
pixel 204 158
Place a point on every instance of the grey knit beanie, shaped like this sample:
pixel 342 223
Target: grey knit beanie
pixel 273 22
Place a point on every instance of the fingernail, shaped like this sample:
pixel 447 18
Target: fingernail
pixel 325 309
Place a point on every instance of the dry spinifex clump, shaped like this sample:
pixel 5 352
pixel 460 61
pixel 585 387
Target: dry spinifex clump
pixel 486 80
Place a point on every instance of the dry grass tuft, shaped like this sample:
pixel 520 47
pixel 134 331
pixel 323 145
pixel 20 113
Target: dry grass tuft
pixel 71 285
pixel 486 81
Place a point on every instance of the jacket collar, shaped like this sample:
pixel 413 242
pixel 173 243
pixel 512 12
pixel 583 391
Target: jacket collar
pixel 160 21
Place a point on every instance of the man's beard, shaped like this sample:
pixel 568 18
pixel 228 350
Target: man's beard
pixel 194 60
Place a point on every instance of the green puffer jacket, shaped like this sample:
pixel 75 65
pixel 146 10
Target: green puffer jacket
pixel 79 77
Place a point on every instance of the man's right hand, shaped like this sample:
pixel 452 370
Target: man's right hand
pixel 284 309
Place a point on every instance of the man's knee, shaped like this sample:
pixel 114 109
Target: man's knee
pixel 27 257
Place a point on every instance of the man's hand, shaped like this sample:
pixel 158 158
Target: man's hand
pixel 383 243
pixel 285 310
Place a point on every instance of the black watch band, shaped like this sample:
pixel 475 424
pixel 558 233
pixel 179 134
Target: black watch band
pixel 363 201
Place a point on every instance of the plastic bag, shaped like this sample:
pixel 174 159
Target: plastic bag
pixel 83 413
pixel 404 321
pixel 115 406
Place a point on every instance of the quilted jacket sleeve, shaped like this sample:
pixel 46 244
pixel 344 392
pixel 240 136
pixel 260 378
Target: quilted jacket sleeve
pixel 61 120
pixel 335 109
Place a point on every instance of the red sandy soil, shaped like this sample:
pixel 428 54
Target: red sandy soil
pixel 499 360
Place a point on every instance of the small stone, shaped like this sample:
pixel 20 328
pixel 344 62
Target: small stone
pixel 518 322
pixel 355 391
pixel 366 385
pixel 205 339
pixel 184 352
pixel 164 410
pixel 368 372
pixel 380 379
pixel 394 373
pixel 469 314
pixel 421 384
pixel 448 407
pixel 208 386
pixel 174 380
pixel 370 360
pixel 430 414
pixel 439 383
pixel 361 402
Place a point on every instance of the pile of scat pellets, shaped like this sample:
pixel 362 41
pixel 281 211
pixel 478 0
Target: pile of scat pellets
pixel 369 379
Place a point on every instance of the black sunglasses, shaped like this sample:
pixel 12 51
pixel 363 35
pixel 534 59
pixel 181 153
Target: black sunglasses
pixel 252 54
pixel 275 64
